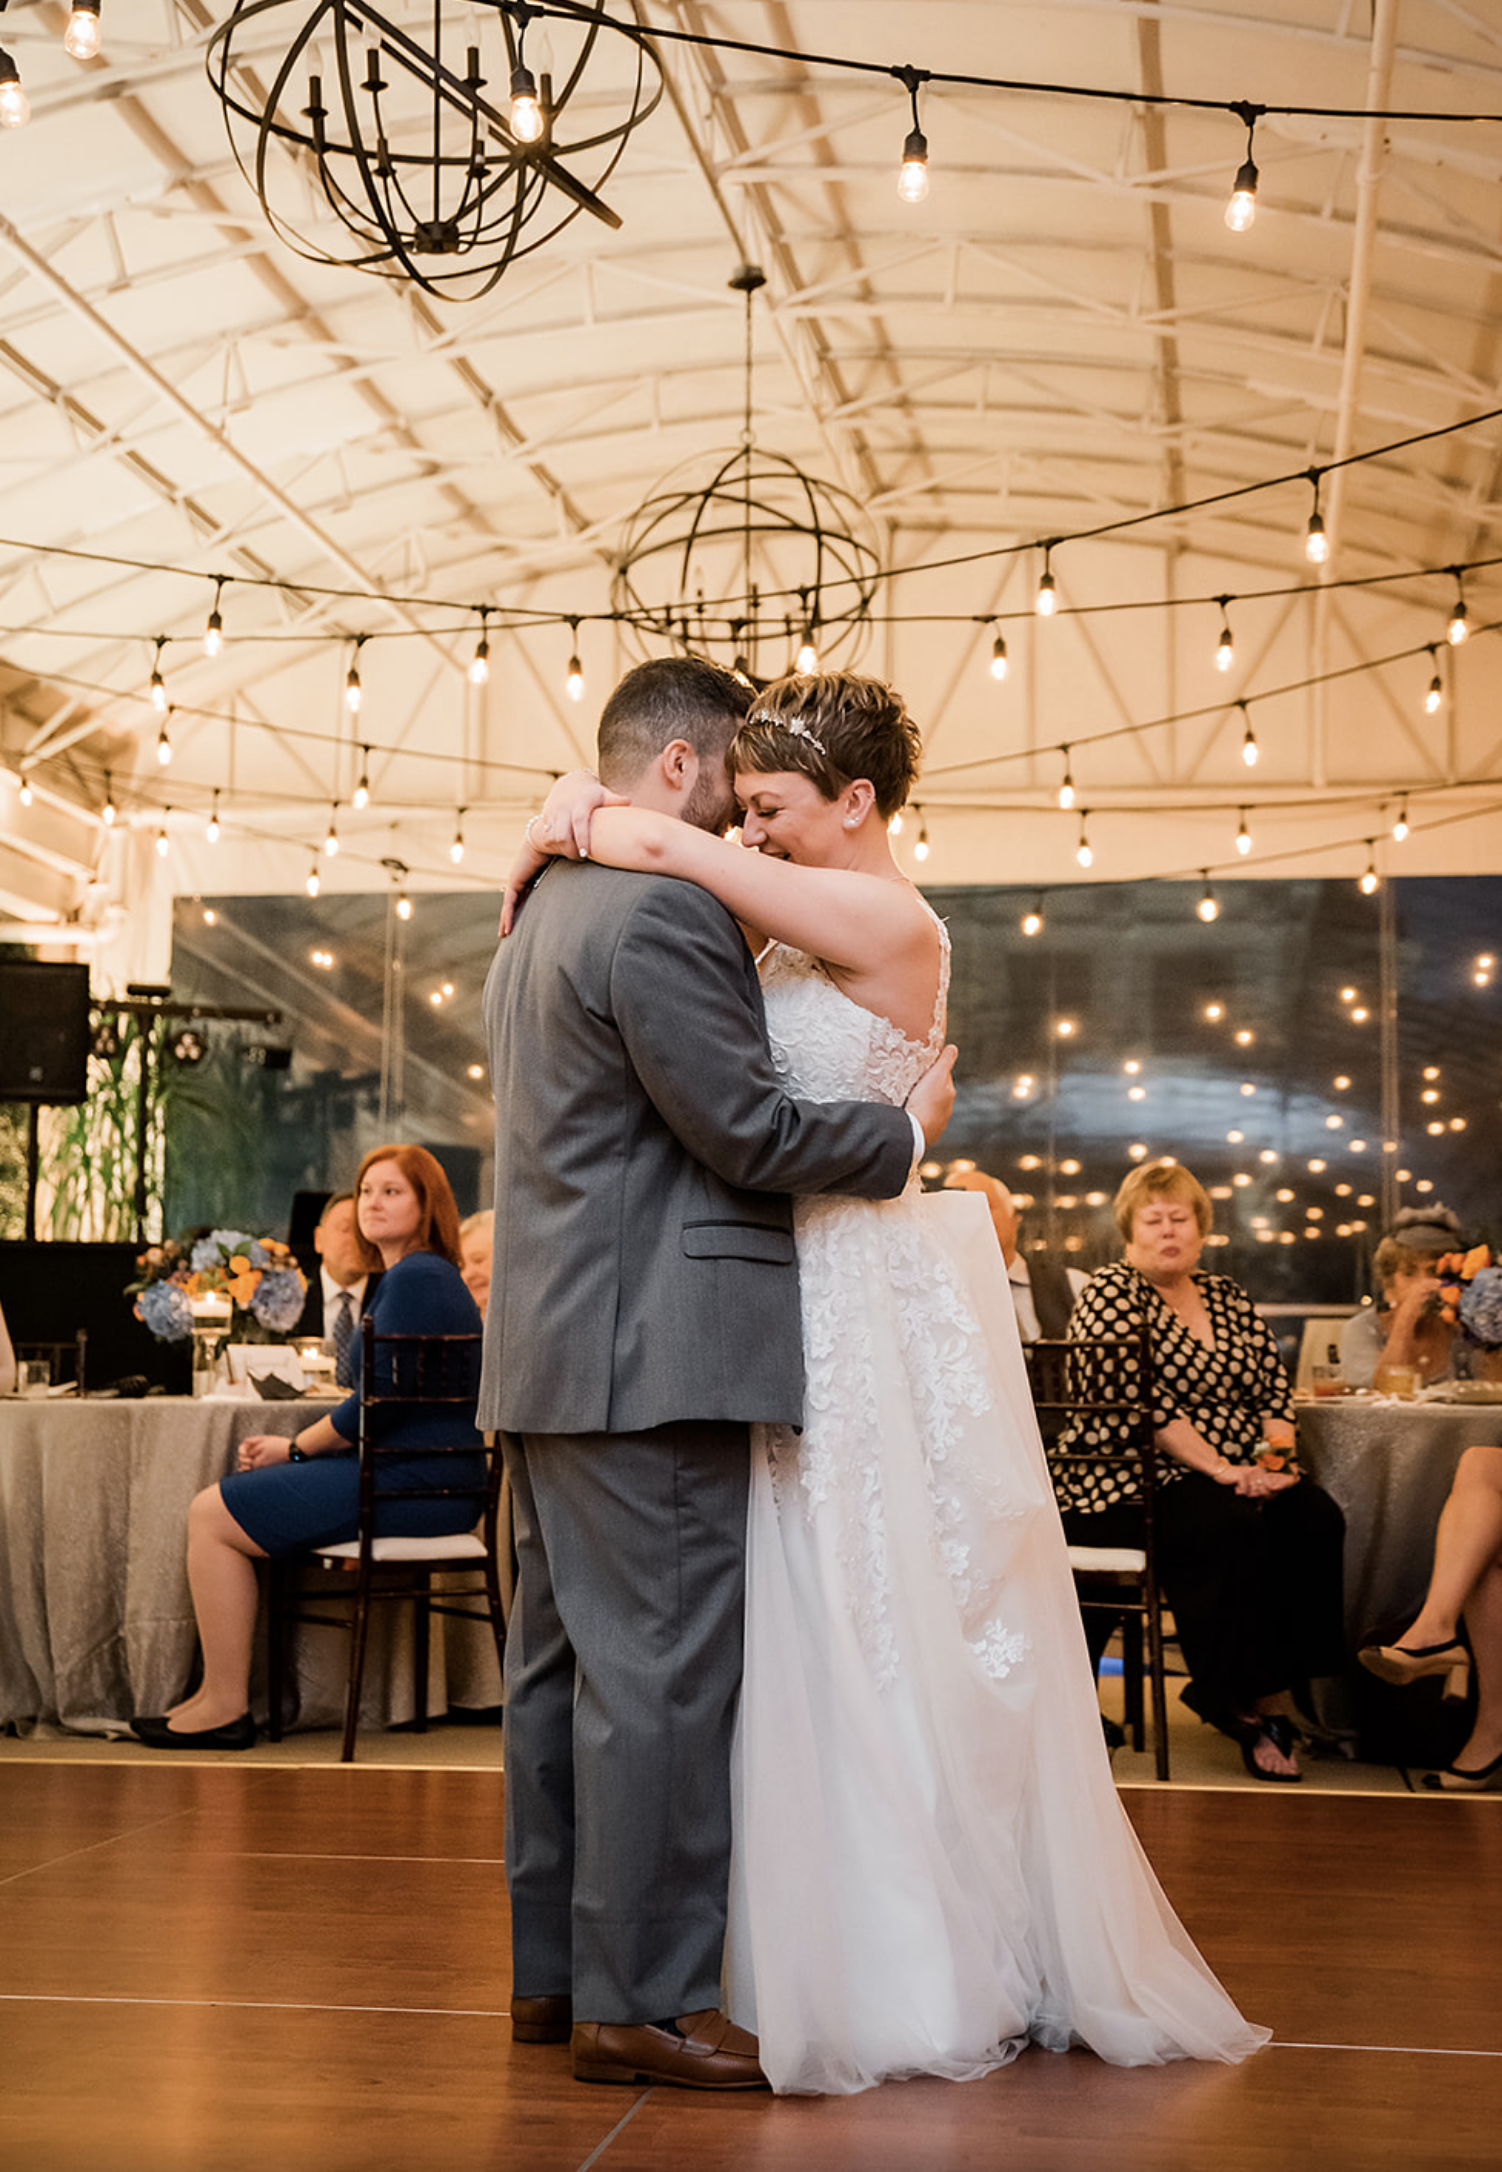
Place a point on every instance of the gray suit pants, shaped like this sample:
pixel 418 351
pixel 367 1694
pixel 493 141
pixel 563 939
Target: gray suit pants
pixel 623 1665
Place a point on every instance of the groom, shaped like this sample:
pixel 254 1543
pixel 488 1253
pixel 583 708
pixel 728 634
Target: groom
pixel 643 1310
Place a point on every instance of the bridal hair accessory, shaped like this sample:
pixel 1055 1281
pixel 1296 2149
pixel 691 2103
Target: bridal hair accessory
pixel 794 726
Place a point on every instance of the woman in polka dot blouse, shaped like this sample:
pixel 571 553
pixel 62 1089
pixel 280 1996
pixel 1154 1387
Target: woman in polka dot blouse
pixel 1249 1549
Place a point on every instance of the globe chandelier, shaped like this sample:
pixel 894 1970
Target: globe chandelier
pixel 748 557
pixel 430 140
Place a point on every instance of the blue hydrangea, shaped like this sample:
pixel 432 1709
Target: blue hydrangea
pixel 1481 1308
pixel 279 1300
pixel 165 1308
pixel 219 1246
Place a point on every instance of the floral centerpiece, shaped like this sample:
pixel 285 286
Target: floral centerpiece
pixel 257 1276
pixel 1471 1295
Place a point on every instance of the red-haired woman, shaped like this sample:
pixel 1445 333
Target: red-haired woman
pixel 289 1495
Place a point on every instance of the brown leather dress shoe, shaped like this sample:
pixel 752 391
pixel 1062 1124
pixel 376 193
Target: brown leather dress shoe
pixel 710 2053
pixel 544 2020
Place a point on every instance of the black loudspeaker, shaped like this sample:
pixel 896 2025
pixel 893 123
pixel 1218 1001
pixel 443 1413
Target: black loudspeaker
pixel 44 1031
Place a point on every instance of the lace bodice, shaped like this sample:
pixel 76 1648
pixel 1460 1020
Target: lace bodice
pixel 827 1048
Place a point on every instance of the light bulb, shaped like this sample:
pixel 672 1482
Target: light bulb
pixel 575 679
pixel 1243 839
pixel 158 693
pixel 353 692
pixel 894 827
pixel 912 180
pixel 1208 907
pixel 81 38
pixel 213 634
pixel 1046 602
pixel 920 850
pixel 163 748
pixel 1249 747
pixel 109 813
pixel 479 670
pixel 161 844
pixel 1032 921
pixel 403 906
pixel 1242 208
pixel 15 106
pixel 998 659
pixel 1066 789
pixel 456 849
pixel 331 842
pixel 1400 827
pixel 528 121
pixel 1457 629
pixel 807 660
pixel 1316 542
pixel 1083 853
pixel 211 827
pixel 1225 647
pixel 1368 882
pixel 25 793
pixel 1435 696
pixel 313 883
pixel 361 795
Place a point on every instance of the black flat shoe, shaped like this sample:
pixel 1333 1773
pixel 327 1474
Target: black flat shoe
pixel 1276 1729
pixel 240 1734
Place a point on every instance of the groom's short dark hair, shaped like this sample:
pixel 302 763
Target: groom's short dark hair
pixel 671 697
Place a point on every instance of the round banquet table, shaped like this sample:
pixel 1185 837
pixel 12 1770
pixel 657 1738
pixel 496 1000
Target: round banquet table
pixel 96 1621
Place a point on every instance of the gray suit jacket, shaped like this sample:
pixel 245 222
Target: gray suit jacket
pixel 644 1264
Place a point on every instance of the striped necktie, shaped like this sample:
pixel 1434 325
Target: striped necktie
pixel 344 1328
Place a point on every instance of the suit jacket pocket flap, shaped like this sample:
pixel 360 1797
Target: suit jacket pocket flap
pixel 738 1240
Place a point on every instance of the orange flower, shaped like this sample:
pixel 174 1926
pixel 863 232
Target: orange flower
pixel 1479 1256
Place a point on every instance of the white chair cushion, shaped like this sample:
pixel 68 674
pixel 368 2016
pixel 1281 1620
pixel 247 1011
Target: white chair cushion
pixel 1108 1560
pixel 462 1547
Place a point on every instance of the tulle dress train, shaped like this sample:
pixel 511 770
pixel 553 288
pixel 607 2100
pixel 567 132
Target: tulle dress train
pixel 931 1866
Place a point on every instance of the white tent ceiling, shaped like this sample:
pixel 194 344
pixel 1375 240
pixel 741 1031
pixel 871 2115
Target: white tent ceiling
pixel 1062 337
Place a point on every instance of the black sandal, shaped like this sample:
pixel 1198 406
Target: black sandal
pixel 1277 1730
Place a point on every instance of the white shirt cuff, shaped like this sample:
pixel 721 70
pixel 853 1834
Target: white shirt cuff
pixel 920 1143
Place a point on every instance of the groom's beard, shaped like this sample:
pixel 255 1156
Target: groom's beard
pixel 711 804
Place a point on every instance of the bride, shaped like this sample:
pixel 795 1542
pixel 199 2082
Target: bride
pixel 931 1866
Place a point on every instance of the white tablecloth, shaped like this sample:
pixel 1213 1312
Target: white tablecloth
pixel 96 1621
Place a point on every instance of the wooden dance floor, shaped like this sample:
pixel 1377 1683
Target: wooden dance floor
pixel 214 1968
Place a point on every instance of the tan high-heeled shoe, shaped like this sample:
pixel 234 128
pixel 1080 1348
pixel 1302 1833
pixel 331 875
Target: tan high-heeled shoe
pixel 1398 1664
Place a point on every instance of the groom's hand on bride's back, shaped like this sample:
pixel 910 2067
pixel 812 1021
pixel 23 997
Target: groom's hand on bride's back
pixel 932 1099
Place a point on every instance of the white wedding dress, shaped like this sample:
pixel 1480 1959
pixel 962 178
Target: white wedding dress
pixel 931 1867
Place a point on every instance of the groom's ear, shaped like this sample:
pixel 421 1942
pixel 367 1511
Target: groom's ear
pixel 679 765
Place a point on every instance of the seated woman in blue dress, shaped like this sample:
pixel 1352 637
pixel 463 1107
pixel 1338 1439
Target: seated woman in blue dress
pixel 290 1495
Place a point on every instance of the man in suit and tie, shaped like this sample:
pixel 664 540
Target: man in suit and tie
pixel 643 1310
pixel 340 1291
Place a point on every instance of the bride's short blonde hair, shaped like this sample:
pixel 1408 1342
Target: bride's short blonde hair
pixel 832 727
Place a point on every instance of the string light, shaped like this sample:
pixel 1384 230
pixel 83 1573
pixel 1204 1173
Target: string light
pixel 109 812
pixel 1436 694
pixel 1032 919
pixel 479 670
pixel 81 38
pixel 158 688
pixel 528 121
pixel 213 632
pixel 161 836
pixel 1249 748
pixel 25 792
pixel 1457 629
pixel 314 881
pixel 354 693
pixel 894 827
pixel 1243 836
pixel 912 178
pixel 1400 827
pixel 1370 879
pixel 163 747
pixel 1082 850
pixel 807 659
pixel 331 841
pixel 574 680
pixel 1316 542
pixel 456 849
pixel 1242 207
pixel 920 850
pixel 211 827
pixel 998 659
pixel 1225 647
pixel 1066 789
pixel 1046 602
pixel 15 106
pixel 361 798
pixel 403 906
pixel 1208 907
